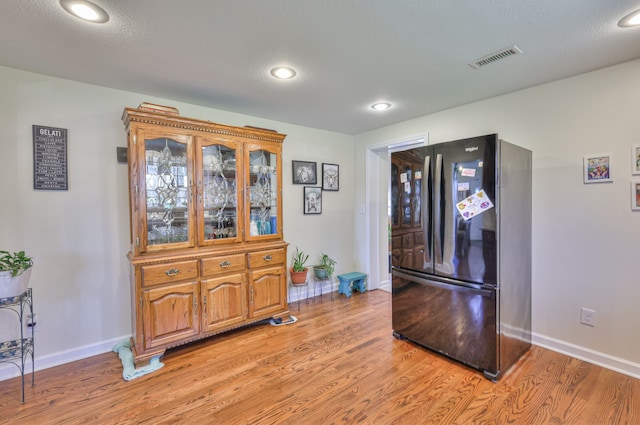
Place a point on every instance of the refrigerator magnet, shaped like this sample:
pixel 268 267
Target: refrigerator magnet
pixel 474 205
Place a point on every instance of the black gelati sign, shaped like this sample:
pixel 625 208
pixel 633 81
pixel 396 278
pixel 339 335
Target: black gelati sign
pixel 50 158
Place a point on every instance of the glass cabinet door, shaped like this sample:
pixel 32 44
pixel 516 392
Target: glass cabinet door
pixel 262 216
pixel 218 193
pixel 166 192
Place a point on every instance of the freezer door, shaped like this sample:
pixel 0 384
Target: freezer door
pixel 465 207
pixel 456 320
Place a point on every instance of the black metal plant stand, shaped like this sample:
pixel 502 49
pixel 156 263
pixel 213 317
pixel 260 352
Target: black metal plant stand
pixel 16 351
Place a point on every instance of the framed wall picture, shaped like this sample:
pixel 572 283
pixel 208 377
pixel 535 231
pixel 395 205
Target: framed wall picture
pixel 635 160
pixel 597 168
pixel 50 163
pixel 304 172
pixel 330 177
pixel 312 200
pixel 635 195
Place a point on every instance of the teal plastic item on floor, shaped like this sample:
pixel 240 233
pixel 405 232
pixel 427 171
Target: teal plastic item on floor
pixel 129 371
pixel 356 279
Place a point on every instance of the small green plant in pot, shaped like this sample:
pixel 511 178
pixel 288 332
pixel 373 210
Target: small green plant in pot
pixel 15 271
pixel 324 270
pixel 298 271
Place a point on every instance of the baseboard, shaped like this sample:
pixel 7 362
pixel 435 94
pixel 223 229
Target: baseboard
pixel 385 285
pixel 325 287
pixel 8 371
pixel 601 359
pixel 301 293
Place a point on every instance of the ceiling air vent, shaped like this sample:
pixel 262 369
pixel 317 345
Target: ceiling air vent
pixel 493 57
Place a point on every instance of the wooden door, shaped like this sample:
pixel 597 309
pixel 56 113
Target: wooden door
pixel 263 191
pixel 267 291
pixel 218 179
pixel 170 313
pixel 163 187
pixel 224 302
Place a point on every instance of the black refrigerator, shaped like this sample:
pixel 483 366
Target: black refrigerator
pixel 461 250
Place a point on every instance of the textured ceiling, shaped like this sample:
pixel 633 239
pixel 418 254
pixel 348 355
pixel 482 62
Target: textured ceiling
pixel 348 53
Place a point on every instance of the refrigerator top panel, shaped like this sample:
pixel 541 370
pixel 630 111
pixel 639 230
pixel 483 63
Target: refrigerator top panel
pixel 464 209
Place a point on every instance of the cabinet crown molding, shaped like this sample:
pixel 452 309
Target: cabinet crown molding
pixel 176 121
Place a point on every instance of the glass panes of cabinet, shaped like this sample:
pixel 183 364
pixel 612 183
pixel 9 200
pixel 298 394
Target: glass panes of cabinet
pixel 395 196
pixel 416 199
pixel 407 195
pixel 167 191
pixel 219 192
pixel 262 193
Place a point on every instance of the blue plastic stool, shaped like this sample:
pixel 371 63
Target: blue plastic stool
pixel 357 279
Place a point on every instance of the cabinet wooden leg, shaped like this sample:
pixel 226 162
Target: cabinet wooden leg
pixel 143 360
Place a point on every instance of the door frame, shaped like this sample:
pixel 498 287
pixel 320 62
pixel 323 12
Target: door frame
pixel 377 181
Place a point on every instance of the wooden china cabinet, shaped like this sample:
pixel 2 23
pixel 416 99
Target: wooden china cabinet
pixel 207 253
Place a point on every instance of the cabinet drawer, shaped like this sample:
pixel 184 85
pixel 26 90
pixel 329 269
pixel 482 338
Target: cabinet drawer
pixel 266 258
pixel 169 272
pixel 223 264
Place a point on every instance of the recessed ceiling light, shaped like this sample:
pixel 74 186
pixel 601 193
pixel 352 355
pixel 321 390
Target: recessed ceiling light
pixel 283 72
pixel 631 20
pixel 381 106
pixel 85 10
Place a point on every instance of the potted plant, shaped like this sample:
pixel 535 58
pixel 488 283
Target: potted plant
pixel 15 271
pixel 298 271
pixel 324 270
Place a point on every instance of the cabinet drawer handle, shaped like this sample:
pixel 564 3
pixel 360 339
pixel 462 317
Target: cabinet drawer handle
pixel 172 272
pixel 267 258
pixel 225 264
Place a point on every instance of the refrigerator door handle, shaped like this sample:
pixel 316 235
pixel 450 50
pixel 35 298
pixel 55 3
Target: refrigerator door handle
pixel 487 293
pixel 426 197
pixel 437 213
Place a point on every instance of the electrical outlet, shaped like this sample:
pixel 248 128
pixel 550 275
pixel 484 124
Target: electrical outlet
pixel 588 317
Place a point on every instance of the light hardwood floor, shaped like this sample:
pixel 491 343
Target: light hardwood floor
pixel 339 364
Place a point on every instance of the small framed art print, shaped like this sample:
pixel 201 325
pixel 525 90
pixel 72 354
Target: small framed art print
pixel 635 160
pixel 635 195
pixel 597 168
pixel 312 200
pixel 304 172
pixel 330 177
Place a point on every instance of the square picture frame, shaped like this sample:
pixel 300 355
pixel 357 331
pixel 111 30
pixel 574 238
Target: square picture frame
pixel 312 202
pixel 330 177
pixel 635 195
pixel 304 172
pixel 597 168
pixel 635 160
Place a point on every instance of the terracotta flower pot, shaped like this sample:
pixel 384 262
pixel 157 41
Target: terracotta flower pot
pixel 298 278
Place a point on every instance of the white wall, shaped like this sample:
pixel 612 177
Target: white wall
pixel 585 237
pixel 80 237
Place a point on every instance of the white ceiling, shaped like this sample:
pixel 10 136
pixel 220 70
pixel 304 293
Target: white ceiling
pixel 348 53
